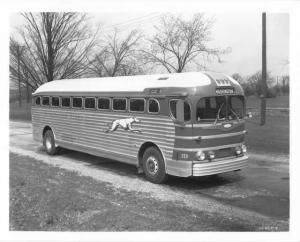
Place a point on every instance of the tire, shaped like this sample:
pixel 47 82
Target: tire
pixel 154 166
pixel 49 143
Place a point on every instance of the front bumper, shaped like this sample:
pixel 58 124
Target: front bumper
pixel 220 166
pixel 195 168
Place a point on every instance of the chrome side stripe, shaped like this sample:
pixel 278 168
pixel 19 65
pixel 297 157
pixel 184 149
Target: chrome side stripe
pixel 208 125
pixel 216 136
pixel 99 148
pixel 208 148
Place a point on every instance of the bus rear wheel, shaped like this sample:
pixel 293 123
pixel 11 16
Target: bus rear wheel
pixel 154 166
pixel 49 143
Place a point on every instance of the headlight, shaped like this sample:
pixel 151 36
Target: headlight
pixel 238 150
pixel 200 155
pixel 244 148
pixel 211 155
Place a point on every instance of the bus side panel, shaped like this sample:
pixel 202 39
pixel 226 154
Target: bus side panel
pixel 38 125
pixel 86 129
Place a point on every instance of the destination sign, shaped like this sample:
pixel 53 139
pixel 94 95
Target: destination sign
pixel 224 91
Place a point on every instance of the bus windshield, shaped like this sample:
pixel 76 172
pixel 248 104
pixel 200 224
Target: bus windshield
pixel 236 107
pixel 210 109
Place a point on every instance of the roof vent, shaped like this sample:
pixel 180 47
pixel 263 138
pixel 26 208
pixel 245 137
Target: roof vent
pixel 163 78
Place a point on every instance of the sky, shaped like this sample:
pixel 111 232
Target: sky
pixel 241 32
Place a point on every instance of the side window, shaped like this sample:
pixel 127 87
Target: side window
pixel 180 110
pixel 153 106
pixel 103 103
pixel 65 102
pixel 119 104
pixel 37 101
pixel 77 102
pixel 137 105
pixel 45 101
pixel 55 101
pixel 89 103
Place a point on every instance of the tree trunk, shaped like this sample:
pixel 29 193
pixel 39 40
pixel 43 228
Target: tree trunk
pixel 27 92
pixel 19 79
pixel 50 67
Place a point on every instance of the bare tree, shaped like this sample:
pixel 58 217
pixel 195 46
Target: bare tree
pixel 17 67
pixel 117 55
pixel 57 45
pixel 237 77
pixel 178 42
pixel 254 81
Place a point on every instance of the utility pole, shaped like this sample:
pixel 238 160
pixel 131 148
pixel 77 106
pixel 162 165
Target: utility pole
pixel 264 72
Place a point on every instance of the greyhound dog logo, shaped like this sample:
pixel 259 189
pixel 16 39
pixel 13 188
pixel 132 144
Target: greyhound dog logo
pixel 126 124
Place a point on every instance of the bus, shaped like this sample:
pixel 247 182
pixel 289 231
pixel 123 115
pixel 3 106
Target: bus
pixel 182 124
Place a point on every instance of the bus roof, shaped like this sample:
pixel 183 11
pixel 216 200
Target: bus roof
pixel 131 83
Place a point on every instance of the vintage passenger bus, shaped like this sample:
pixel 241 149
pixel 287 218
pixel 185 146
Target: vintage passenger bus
pixel 183 124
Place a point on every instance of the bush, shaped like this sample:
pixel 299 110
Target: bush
pixel 271 92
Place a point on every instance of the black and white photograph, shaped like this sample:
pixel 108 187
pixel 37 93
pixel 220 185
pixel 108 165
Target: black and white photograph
pixel 137 117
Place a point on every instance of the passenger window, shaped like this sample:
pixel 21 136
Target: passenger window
pixel 137 105
pixel 77 102
pixel 45 101
pixel 180 110
pixel 89 103
pixel 153 106
pixel 38 101
pixel 65 102
pixel 55 101
pixel 103 103
pixel 119 104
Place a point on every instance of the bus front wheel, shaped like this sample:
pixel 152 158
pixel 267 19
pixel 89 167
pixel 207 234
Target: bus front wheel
pixel 154 166
pixel 49 143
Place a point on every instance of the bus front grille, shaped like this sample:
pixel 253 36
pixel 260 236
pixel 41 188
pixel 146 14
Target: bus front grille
pixel 224 153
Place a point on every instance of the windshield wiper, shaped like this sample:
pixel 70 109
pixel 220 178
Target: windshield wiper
pixel 218 114
pixel 237 117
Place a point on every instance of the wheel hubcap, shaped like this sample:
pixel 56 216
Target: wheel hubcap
pixel 48 143
pixel 152 165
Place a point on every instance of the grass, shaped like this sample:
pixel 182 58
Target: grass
pixel 277 102
pixel 47 198
pixel 273 137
